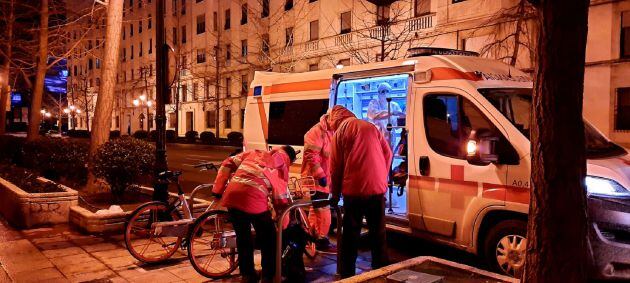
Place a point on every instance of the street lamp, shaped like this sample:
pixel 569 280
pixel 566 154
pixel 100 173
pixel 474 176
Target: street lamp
pixel 142 102
pixel 71 111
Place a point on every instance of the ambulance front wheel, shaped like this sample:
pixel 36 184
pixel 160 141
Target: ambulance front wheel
pixel 505 247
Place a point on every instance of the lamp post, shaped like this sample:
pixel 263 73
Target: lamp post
pixel 71 111
pixel 142 102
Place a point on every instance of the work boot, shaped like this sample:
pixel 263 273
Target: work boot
pixel 324 245
pixel 253 278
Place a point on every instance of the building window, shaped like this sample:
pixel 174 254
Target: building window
pixel 288 5
pixel 124 33
pixel 194 91
pixel 622 109
pixel 206 89
pixel 228 118
pixel 215 21
pixel 314 30
pixel 313 67
pixel 131 57
pixel 265 9
pixel 346 22
pixel 184 93
pixel 344 62
pixel 89 44
pixel 228 87
pixel 265 43
pixel 140 26
pixel 98 44
pixel 210 119
pixel 183 34
pixel 149 22
pixel 457 1
pixel 183 7
pixel 201 23
pixel 174 35
pixel 288 37
pixel 227 19
pixel 172 120
pixel 382 15
pixel 140 50
pixel 422 7
pixel 228 53
pixel 90 64
pixel 244 14
pixel 243 48
pixel 150 45
pixel 244 85
pixel 201 56
pixel 150 121
pixel 242 118
pixel 625 34
pixel 130 30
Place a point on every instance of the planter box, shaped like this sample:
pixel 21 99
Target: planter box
pixel 25 210
pixel 92 223
pixel 450 271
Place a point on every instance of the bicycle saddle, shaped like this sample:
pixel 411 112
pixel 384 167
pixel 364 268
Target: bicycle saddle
pixel 169 174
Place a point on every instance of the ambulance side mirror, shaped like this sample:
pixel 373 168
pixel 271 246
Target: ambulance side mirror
pixel 480 147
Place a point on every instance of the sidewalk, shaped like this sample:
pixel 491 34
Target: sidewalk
pixel 62 254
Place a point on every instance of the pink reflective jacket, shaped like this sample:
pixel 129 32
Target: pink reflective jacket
pixel 360 159
pixel 249 188
pixel 317 146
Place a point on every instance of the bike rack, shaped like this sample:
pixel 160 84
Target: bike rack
pixel 303 203
pixel 191 204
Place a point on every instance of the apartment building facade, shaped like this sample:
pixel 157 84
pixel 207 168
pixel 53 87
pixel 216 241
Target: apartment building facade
pixel 216 46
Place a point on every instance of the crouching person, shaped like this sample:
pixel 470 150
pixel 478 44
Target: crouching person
pixel 252 176
pixel 360 163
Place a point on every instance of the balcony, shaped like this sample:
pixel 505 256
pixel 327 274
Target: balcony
pixel 343 39
pixel 421 23
pixel 311 45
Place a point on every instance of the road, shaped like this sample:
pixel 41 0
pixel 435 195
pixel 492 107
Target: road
pixel 182 157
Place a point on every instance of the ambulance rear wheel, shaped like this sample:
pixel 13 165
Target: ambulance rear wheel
pixel 505 247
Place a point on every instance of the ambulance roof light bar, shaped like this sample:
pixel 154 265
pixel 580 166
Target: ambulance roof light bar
pixel 428 51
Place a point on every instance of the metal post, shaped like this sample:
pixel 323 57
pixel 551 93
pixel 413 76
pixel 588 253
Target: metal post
pixel 301 203
pixel 161 64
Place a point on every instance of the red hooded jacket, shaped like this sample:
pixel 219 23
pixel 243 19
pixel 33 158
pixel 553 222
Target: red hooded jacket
pixel 360 159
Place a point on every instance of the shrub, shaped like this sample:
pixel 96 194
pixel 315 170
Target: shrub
pixel 235 138
pixel 114 134
pixel 17 127
pixel 10 148
pixel 79 133
pixel 56 158
pixel 171 136
pixel 153 135
pixel 141 134
pixel 191 136
pixel 208 137
pixel 123 161
pixel 27 180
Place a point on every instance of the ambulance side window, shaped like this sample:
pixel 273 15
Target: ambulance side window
pixel 449 119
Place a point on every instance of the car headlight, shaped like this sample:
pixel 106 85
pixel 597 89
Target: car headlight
pixel 605 187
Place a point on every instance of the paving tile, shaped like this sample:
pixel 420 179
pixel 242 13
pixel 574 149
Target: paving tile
pixel 184 272
pixel 55 245
pixel 85 267
pixel 99 276
pixel 99 247
pixel 131 271
pixel 15 254
pixel 156 276
pixel 73 259
pixel 62 252
pixel 120 263
pixel 119 252
pixel 40 275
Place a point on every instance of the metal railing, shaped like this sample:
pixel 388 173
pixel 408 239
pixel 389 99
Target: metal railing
pixel 297 204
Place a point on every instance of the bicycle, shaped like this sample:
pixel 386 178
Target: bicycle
pixel 156 230
pixel 304 188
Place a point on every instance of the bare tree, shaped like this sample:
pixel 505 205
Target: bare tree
pixel 557 227
pixel 5 88
pixel 105 101
pixel 42 62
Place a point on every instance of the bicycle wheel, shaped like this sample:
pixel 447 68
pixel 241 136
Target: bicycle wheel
pixel 141 238
pixel 212 245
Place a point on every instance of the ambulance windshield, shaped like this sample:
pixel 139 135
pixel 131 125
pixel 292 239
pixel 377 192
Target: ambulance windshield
pixel 515 104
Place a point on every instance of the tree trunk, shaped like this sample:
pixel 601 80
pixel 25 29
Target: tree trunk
pixel 517 33
pixel 5 86
pixel 105 101
pixel 42 61
pixel 557 227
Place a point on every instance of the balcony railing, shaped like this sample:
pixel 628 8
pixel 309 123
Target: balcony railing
pixel 311 45
pixel 343 39
pixel 420 23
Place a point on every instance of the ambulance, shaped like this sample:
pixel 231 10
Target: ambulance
pixel 461 150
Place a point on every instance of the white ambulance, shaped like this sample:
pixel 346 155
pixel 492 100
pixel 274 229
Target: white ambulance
pixel 458 192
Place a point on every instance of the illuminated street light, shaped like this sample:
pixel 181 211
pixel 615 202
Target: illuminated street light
pixel 72 107
pixel 43 111
pixel 78 111
pixel 136 102
pixel 149 103
pixel 47 114
pixel 66 110
pixel 143 97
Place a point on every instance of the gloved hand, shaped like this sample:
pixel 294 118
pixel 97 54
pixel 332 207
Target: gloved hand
pixel 217 196
pixel 322 182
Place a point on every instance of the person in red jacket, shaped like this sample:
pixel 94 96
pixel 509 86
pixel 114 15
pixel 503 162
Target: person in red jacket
pixel 316 164
pixel 360 164
pixel 252 176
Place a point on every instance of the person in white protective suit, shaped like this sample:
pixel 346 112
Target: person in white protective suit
pixel 378 113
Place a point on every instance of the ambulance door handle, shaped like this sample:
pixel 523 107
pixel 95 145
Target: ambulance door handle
pixel 423 165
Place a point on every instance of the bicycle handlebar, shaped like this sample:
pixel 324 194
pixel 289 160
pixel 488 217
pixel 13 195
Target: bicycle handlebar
pixel 207 166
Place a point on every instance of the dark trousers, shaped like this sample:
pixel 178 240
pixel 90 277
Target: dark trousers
pixel 265 236
pixel 355 208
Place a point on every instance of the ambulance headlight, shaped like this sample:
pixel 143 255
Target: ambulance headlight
pixel 597 186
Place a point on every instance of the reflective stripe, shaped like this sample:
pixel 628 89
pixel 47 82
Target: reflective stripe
pixel 312 147
pixel 250 183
